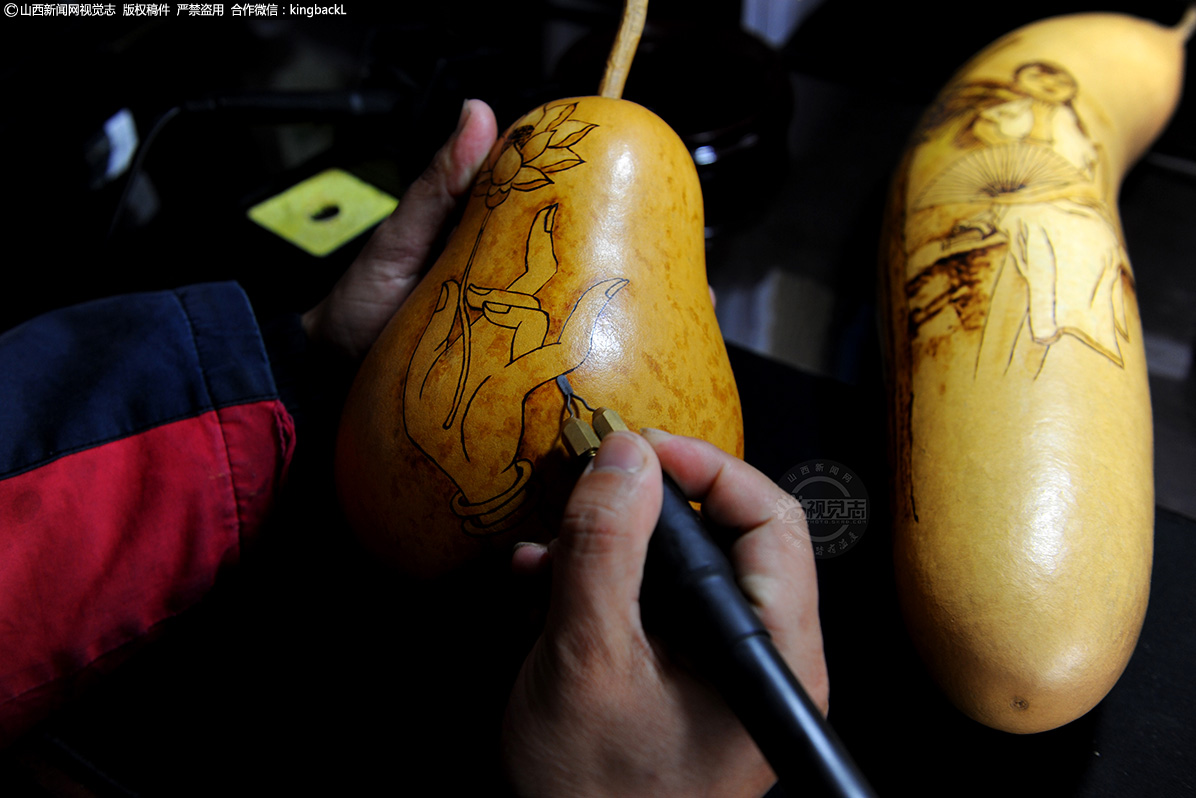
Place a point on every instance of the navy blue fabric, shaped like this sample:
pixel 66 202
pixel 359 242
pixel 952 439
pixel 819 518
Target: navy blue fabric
pixel 106 369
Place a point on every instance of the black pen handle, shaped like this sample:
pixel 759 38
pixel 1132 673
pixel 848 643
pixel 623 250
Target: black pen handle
pixel 692 601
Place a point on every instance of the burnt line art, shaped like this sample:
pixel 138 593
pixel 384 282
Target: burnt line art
pixel 529 155
pixel 513 356
pixel 1025 178
pixel 984 332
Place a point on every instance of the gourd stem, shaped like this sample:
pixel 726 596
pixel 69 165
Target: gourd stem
pixel 1187 24
pixel 618 63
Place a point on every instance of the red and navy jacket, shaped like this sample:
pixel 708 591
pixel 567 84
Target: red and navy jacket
pixel 142 443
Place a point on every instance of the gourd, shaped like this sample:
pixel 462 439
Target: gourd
pixel 1022 437
pixel 575 279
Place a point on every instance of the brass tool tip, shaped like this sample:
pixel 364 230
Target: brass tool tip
pixel 579 437
pixel 607 421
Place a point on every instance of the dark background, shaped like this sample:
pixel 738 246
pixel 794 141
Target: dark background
pixel 309 669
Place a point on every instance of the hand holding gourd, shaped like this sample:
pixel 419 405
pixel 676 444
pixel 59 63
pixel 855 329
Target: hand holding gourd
pixel 576 276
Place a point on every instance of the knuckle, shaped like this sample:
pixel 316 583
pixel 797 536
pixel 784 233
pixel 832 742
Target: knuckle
pixel 592 521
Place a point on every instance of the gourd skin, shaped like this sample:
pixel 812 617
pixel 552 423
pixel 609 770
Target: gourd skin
pixel 580 255
pixel 1022 436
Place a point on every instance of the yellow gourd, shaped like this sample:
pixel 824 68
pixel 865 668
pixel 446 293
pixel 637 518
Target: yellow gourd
pixel 1022 439
pixel 575 278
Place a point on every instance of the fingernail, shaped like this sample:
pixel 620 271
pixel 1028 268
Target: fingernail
pixel 620 452
pixel 528 557
pixel 539 548
pixel 652 432
pixel 461 120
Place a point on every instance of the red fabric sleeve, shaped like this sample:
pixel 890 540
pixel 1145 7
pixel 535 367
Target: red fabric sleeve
pixel 102 539
pixel 103 545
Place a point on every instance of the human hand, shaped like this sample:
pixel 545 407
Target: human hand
pixel 353 314
pixel 599 708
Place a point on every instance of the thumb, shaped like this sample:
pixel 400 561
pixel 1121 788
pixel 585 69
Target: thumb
pixel 402 242
pixel 598 559
pixel 380 279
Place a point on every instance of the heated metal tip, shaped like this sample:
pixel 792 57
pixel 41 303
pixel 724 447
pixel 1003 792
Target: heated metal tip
pixel 579 437
pixel 607 421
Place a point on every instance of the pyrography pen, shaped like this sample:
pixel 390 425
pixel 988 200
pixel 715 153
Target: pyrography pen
pixel 691 600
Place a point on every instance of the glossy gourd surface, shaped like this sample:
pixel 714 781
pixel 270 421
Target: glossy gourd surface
pixel 576 277
pixel 1022 436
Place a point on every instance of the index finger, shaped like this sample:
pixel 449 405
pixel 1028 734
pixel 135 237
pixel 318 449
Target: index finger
pixel 772 555
pixel 733 494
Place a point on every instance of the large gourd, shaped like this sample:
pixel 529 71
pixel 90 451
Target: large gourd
pixel 1022 423
pixel 575 278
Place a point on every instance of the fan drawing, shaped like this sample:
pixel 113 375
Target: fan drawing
pixel 1003 173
